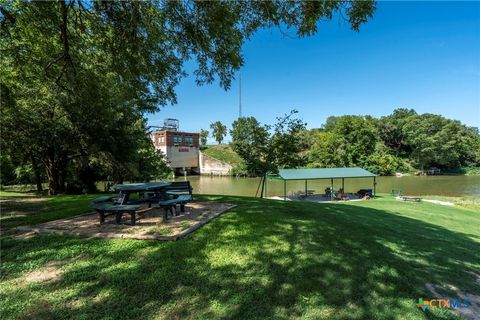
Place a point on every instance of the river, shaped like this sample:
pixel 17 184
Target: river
pixel 410 185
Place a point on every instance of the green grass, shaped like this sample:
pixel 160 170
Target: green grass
pixel 263 259
pixel 20 208
pixel 223 153
pixel 467 201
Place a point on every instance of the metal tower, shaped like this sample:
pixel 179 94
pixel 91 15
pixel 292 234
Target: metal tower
pixel 240 97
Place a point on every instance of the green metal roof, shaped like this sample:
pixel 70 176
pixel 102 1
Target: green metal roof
pixel 323 173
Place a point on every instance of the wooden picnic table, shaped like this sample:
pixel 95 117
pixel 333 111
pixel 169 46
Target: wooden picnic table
pixel 126 189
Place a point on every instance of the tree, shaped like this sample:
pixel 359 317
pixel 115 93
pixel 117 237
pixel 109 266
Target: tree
pixel 383 163
pixel 203 137
pixel 219 131
pixel 250 140
pixel 436 141
pixel 356 136
pixel 263 151
pixel 390 130
pixel 286 144
pixel 328 150
pixel 80 73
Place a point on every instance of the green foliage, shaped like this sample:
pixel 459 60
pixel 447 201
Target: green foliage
pixel 390 130
pixel 286 144
pixel 240 170
pixel 219 131
pixel 327 151
pixel 390 144
pixel 203 137
pixel 359 136
pixel 436 141
pixel 383 163
pixel 7 169
pixel 223 153
pixel 262 150
pixel 24 174
pixel 250 140
pixel 346 141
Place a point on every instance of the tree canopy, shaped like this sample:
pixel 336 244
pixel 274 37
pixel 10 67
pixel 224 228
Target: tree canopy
pixel 219 131
pixel 401 142
pixel 265 148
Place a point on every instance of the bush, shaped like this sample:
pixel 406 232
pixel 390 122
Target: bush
pixel 385 164
pixel 240 170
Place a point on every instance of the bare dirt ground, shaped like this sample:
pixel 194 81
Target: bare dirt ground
pixel 472 312
pixel 149 224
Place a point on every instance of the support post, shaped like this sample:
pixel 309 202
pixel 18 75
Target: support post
pixel 306 192
pixel 343 185
pixel 284 189
pixel 263 185
pixel 266 186
pixel 331 189
pixel 374 185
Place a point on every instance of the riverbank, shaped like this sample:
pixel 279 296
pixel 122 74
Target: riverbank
pixel 263 259
pixel 447 186
pixel 466 201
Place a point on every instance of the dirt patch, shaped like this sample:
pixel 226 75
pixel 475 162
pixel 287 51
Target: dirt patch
pixel 149 225
pixel 471 312
pixel 51 272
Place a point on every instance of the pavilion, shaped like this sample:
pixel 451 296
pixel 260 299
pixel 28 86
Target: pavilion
pixel 316 174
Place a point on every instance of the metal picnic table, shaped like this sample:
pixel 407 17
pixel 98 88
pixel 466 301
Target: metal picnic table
pixel 125 190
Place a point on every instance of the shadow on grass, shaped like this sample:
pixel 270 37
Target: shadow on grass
pixel 29 210
pixel 265 259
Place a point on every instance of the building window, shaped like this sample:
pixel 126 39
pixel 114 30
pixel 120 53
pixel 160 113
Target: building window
pixel 177 139
pixel 161 139
pixel 188 139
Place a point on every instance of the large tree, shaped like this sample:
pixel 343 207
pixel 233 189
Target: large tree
pixel 204 137
pixel 80 73
pixel 265 148
pixel 250 140
pixel 287 142
pixel 219 131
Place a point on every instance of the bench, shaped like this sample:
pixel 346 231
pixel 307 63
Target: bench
pixel 181 191
pixel 105 209
pixel 170 204
pixel 179 187
pixel 103 199
pixel 412 199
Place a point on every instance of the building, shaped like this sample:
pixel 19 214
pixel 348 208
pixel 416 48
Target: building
pixel 179 148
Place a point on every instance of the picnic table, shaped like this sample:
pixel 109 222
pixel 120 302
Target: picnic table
pixel 125 190
pixel 167 194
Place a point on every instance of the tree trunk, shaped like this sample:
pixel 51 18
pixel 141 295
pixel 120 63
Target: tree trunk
pixel 53 174
pixel 38 176
pixel 56 172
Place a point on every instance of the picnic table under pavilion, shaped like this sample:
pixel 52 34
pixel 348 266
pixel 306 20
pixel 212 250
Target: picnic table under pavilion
pixel 307 174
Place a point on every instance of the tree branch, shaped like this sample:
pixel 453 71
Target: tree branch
pixel 7 15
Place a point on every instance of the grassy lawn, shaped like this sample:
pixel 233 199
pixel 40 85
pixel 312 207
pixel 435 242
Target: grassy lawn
pixel 264 259
pixel 223 152
pixel 19 208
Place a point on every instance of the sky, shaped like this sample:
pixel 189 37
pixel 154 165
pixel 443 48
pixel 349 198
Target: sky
pixel 420 55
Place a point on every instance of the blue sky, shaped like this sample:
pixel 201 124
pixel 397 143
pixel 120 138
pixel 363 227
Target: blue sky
pixel 421 55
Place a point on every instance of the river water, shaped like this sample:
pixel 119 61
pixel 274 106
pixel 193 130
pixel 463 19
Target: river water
pixel 409 185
